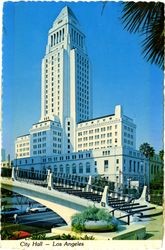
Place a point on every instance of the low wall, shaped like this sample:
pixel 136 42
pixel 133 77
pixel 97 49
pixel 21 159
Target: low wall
pixel 133 232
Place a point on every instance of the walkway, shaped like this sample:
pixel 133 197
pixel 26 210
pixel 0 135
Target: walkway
pixel 154 228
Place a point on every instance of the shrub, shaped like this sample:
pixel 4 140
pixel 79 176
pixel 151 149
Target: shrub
pixel 104 215
pixel 86 237
pixel 92 214
pixel 38 236
pixel 5 235
pixel 70 237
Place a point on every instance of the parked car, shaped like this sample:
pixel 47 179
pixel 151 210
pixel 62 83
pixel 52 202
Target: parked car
pixel 8 213
pixel 11 211
pixel 39 208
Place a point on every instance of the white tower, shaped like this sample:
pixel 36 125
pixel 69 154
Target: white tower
pixel 66 84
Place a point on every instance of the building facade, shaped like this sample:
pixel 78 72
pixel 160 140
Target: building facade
pixel 120 165
pixel 67 139
pixel 22 146
pixel 109 131
pixel 66 84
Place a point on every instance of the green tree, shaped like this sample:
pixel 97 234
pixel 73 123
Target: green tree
pixel 147 150
pixel 156 189
pixel 161 154
pixel 101 182
pixel 147 18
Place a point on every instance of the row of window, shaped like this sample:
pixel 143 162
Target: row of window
pixel 39 146
pixel 68 157
pixel 39 133
pixel 135 166
pixel 82 110
pixel 83 117
pixel 22 144
pixel 23 154
pixel 82 60
pixel 102 142
pixel 57 37
pixel 23 149
pixel 134 153
pixel 43 151
pixel 82 81
pixel 73 169
pixel 81 91
pixel 82 72
pixel 51 60
pixel 43 139
pixel 97 130
pixel 82 102
pixel 77 38
pixel 96 137
pixel 128 128
pixel 128 141
pixel 128 135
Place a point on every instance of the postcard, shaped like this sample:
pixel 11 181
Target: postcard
pixel 82 125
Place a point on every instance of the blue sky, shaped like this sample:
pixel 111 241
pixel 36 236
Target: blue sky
pixel 120 74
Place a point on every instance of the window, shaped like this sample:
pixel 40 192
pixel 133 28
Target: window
pixel 88 168
pixel 130 166
pixel 105 165
pixel 80 168
pixel 134 166
pixel 61 168
pixel 55 169
pixel 117 161
pixel 74 168
pixel 67 169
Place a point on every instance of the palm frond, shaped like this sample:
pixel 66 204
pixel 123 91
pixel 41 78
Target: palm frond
pixel 103 7
pixel 148 19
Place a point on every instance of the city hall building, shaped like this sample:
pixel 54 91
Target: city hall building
pixel 67 139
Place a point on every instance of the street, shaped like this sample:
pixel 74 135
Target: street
pixel 40 219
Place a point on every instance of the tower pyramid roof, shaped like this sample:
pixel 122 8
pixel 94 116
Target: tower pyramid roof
pixel 66 11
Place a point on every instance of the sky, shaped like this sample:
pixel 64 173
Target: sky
pixel 120 74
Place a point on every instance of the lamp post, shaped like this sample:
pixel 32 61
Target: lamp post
pixel 143 171
pixel 128 181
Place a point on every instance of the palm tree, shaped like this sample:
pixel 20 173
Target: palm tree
pixel 147 18
pixel 147 150
pixel 161 154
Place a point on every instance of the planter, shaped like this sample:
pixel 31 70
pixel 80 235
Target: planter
pixel 99 226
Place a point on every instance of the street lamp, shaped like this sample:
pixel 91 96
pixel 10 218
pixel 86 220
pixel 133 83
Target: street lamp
pixel 143 171
pixel 129 184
